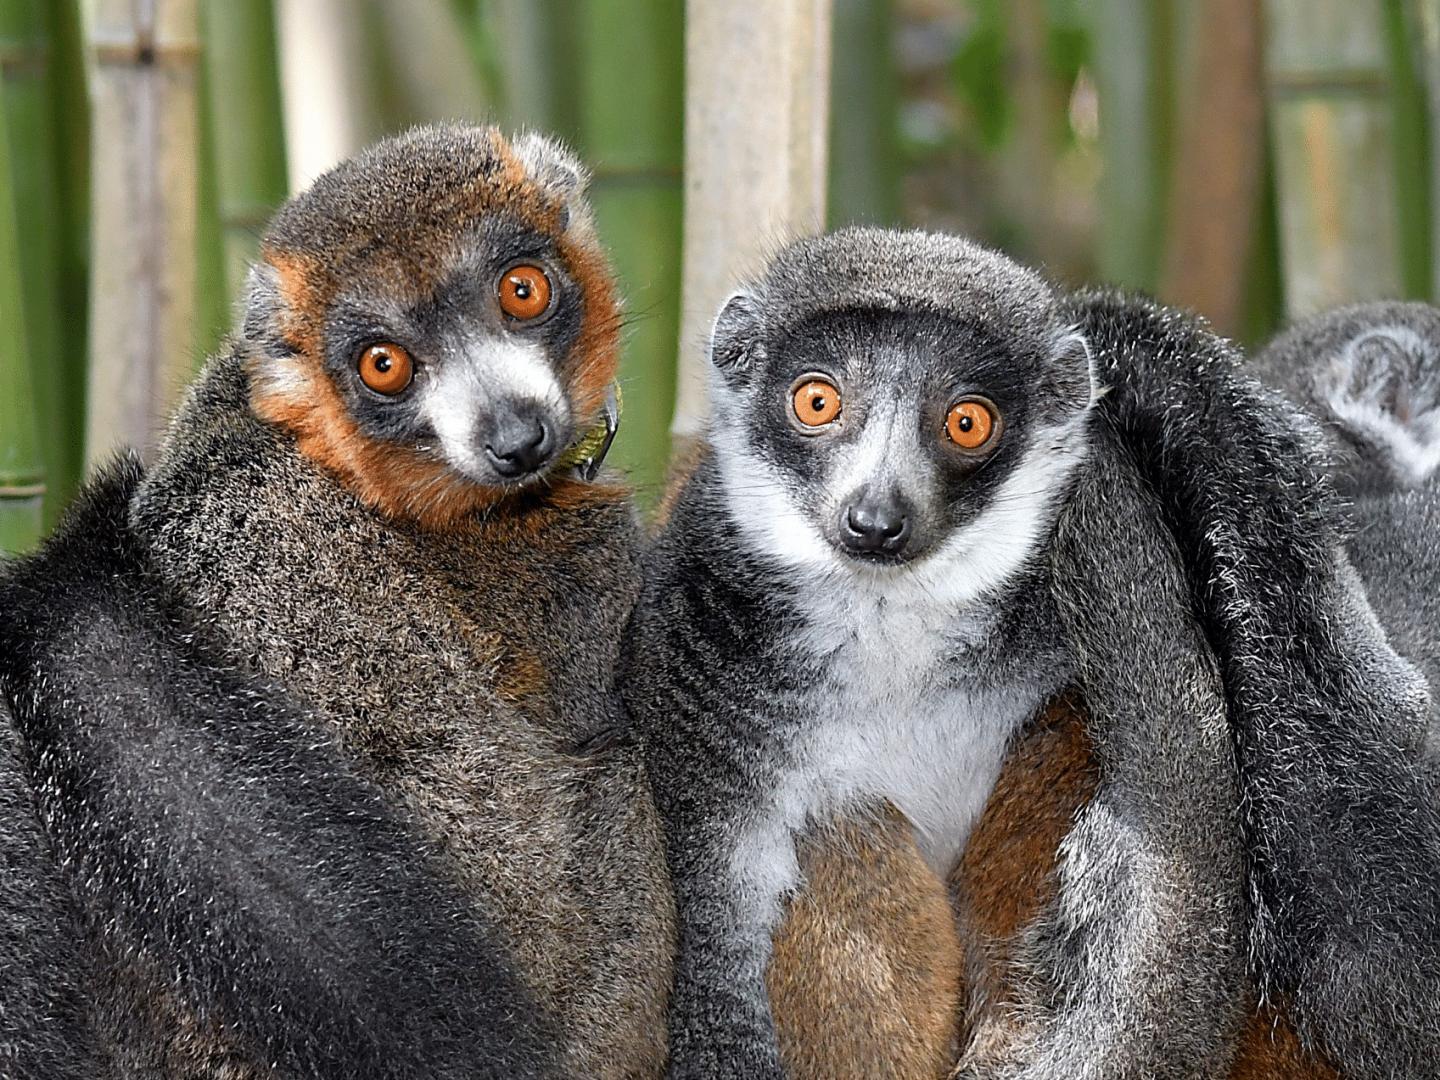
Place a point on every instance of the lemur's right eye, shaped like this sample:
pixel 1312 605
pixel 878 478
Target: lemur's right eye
pixel 524 292
pixel 815 401
pixel 972 423
pixel 387 369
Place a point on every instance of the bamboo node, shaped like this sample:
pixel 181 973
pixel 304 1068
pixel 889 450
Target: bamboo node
pixel 21 491
pixel 144 51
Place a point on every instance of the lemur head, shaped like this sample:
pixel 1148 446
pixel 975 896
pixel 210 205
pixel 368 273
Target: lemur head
pixel 897 403
pixel 435 322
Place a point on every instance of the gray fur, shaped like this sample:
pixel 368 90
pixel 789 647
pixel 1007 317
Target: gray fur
pixel 1363 953
pixel 1139 968
pixel 1370 374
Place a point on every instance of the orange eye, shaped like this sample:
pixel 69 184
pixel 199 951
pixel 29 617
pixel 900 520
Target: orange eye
pixel 524 292
pixel 387 369
pixel 816 402
pixel 972 423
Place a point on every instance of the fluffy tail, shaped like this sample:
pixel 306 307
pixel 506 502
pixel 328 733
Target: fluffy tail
pixel 1371 374
pixel 1338 806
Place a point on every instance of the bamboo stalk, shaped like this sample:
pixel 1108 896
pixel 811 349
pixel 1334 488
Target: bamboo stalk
pixel 755 149
pixel 1215 185
pixel 447 85
pixel 27 66
pixel 242 94
pixel 1333 132
pixel 1412 148
pixel 142 293
pixel 22 476
pixel 70 135
pixel 536 60
pixel 630 129
pixel 1428 12
pixel 864 115
pixel 1132 78
pixel 326 91
pixel 212 292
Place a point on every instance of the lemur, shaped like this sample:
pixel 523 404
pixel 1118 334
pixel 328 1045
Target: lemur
pixel 1370 374
pixel 846 605
pixel 318 707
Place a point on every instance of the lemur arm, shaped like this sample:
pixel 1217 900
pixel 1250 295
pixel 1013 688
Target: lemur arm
pixel 222 845
pixel 1136 968
pixel 721 1024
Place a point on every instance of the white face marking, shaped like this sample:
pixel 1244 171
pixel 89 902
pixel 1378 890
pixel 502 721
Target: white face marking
pixel 465 384
pixel 901 714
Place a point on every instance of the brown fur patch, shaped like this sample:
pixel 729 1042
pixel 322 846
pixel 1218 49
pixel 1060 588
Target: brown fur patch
pixel 400 482
pixel 1271 1050
pixel 865 976
pixel 1007 875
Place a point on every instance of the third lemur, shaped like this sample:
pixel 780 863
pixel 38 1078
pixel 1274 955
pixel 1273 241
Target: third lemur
pixel 846 605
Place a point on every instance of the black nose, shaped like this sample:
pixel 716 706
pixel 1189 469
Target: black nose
pixel 521 441
pixel 875 526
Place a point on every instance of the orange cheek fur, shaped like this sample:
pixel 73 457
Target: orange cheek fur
pixel 397 481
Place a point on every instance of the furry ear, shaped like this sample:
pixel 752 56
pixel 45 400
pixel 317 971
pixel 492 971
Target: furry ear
pixel 736 340
pixel 1074 363
pixel 263 302
pixel 556 170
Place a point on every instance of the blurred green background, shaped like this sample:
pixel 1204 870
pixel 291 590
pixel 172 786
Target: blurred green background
pixel 1250 159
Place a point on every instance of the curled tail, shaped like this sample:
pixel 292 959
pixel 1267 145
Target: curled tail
pixel 1371 374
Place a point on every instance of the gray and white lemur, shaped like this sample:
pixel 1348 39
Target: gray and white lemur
pixel 317 709
pixel 1353 931
pixel 846 605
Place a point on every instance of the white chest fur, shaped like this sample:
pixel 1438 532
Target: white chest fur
pixel 909 713
pixel 904 707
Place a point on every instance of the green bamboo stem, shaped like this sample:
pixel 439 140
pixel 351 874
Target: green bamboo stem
pixel 144 79
pixel 1333 130
pixel 1412 148
pixel 535 59
pixel 70 134
pixel 1132 78
pixel 631 125
pixel 22 475
pixel 27 64
pixel 242 96
pixel 864 115
pixel 448 85
pixel 1428 12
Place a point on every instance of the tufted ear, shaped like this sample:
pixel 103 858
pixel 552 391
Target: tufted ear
pixel 556 170
pixel 736 340
pixel 1075 365
pixel 263 302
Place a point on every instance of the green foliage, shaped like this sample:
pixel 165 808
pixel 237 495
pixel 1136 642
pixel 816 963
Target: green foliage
pixel 980 72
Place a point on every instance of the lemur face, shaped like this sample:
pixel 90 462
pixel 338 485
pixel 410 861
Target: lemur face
pixel 435 321
pixel 889 401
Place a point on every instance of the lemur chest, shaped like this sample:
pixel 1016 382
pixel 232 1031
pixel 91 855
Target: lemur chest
pixel 917 709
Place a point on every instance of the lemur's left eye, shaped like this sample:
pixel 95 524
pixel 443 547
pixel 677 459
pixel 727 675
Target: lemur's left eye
pixel 524 292
pixel 387 369
pixel 972 423
pixel 815 402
